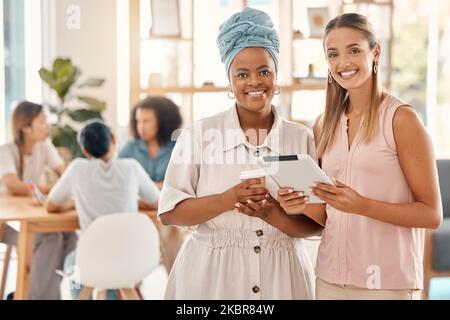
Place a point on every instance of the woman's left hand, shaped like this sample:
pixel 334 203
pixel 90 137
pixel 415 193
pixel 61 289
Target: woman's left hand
pixel 340 197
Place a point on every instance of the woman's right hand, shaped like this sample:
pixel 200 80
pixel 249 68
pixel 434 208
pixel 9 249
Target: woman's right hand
pixel 243 192
pixel 293 202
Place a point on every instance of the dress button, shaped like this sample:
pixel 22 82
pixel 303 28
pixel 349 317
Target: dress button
pixel 255 289
pixel 256 153
pixel 259 233
pixel 257 249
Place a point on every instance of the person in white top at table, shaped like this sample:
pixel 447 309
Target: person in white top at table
pixel 24 159
pixel 26 156
pixel 100 184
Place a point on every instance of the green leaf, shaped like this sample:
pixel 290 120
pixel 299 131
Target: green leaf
pixel 65 72
pixel 94 104
pixel 61 77
pixel 65 77
pixel 60 63
pixel 92 82
pixel 66 137
pixel 46 76
pixel 82 115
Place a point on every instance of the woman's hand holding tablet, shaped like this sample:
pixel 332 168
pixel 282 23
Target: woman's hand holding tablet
pixel 298 172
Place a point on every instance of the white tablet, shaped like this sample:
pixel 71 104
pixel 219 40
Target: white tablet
pixel 298 171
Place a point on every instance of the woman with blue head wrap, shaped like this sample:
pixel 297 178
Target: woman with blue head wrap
pixel 249 46
pixel 249 28
pixel 243 245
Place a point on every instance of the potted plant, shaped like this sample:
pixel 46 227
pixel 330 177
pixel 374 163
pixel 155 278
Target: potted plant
pixel 62 80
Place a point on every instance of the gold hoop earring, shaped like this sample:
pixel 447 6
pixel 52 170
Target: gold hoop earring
pixel 230 95
pixel 277 90
pixel 375 66
pixel 330 78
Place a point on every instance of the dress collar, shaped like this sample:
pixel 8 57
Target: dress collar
pixel 237 137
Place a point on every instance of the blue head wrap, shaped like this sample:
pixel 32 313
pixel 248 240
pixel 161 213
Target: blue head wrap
pixel 248 28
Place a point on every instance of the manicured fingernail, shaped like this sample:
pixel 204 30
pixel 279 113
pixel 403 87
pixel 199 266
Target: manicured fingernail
pixel 267 196
pixel 249 201
pixel 237 204
pixel 264 202
pixel 290 190
pixel 300 194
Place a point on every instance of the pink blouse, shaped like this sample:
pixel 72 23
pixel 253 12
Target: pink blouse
pixel 360 251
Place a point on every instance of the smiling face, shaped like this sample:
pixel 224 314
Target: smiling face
pixel 253 79
pixel 350 58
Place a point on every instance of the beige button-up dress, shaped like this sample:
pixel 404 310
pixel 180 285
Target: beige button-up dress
pixel 233 256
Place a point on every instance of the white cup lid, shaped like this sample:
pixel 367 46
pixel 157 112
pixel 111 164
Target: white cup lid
pixel 250 174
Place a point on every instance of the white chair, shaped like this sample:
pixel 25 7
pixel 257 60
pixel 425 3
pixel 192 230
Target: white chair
pixel 117 252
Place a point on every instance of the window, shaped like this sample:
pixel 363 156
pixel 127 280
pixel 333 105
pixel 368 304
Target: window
pixel 2 79
pixel 14 56
pixel 442 116
pixel 410 70
pixel 421 66
pixel 20 26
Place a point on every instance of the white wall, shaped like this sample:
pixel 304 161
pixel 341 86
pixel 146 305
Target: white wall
pixel 2 80
pixel 92 46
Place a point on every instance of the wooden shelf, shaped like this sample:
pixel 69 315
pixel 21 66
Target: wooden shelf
pixel 376 2
pixel 166 38
pixel 300 36
pixel 290 37
pixel 309 84
pixel 175 89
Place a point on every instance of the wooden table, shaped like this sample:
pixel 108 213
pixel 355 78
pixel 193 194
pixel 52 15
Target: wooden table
pixel 34 220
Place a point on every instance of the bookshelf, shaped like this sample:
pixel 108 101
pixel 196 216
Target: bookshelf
pixel 189 70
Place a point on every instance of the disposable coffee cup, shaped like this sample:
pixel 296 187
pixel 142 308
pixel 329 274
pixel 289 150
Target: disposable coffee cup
pixel 254 174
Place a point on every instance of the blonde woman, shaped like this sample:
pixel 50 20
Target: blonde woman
pixel 386 192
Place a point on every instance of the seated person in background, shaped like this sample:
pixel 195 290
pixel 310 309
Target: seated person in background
pixel 152 123
pixel 24 159
pixel 100 184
